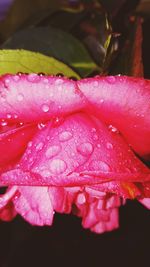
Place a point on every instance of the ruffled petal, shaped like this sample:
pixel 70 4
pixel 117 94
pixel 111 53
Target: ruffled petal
pixel 79 151
pixel 30 98
pixel 14 142
pixel 122 102
pixel 34 205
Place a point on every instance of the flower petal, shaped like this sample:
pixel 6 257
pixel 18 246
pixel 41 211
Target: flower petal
pixel 34 205
pixel 79 151
pixel 30 98
pixel 13 143
pixel 122 102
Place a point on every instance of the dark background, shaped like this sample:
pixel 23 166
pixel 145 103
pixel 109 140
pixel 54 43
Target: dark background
pixel 66 243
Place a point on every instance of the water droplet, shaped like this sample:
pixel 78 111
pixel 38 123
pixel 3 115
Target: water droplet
pixel 104 166
pixel 8 116
pixel 41 125
pixel 16 78
pixel 85 149
pixel 109 145
pixel 31 159
pixel 65 136
pixel 41 74
pixel 4 123
pixel 39 146
pixel 113 129
pixel 93 130
pixel 20 97
pixel 57 121
pixel 59 81
pixel 30 144
pixel 111 79
pixel 52 151
pixel 45 80
pixel 7 81
pixel 15 116
pixel 95 83
pixel 57 166
pixel 59 74
pixel 95 137
pixel 45 108
pixel 33 77
pixel 98 165
pixel 73 78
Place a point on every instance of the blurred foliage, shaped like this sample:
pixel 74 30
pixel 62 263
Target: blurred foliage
pixel 90 36
pixel 144 8
pixel 56 43
pixel 13 61
pixel 129 59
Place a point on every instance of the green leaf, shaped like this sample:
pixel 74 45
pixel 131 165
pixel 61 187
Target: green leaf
pixel 13 61
pixel 56 43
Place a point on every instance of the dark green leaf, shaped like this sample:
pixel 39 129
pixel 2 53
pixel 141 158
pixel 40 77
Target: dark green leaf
pixel 13 61
pixel 55 43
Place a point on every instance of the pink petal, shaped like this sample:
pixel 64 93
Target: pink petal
pixel 15 142
pixel 145 202
pixel 30 98
pixel 119 101
pixel 34 205
pixel 122 102
pixel 79 151
pixel 8 212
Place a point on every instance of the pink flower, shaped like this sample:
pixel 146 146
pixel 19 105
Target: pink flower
pixel 73 146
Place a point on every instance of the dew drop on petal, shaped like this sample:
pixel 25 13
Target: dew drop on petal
pixel 95 83
pixel 93 130
pixel 33 77
pixel 39 146
pixel 30 144
pixel 7 81
pixel 8 116
pixel 4 123
pixel 57 121
pixel 41 125
pixel 85 149
pixel 98 165
pixel 45 108
pixel 59 81
pixel 57 166
pixel 65 136
pixel 16 78
pixel 109 145
pixel 95 137
pixel 15 116
pixel 111 79
pixel 52 151
pixel 104 166
pixel 113 129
